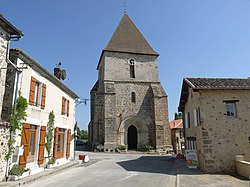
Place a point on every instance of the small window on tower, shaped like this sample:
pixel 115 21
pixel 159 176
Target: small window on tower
pixel 132 67
pixel 133 97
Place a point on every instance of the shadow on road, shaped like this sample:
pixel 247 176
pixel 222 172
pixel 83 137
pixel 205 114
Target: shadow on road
pixel 151 164
pixel 82 148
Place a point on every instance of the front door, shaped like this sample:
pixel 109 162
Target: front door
pixel 132 137
pixel 32 144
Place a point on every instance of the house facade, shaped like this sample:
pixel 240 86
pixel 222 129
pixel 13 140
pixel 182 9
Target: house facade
pixel 45 93
pixel 128 103
pixel 8 33
pixel 177 136
pixel 216 120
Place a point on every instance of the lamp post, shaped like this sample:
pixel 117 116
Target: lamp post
pixel 75 135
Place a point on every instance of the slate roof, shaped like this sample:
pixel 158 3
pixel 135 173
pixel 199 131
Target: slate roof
pixel 128 39
pixel 9 27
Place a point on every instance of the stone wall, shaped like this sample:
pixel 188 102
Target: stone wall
pixel 116 67
pixel 3 64
pixel 112 108
pixel 3 129
pixel 220 138
pixel 4 136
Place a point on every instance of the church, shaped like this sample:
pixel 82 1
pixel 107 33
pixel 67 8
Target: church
pixel 128 103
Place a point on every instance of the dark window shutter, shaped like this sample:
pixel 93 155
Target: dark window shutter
pixel 55 143
pixel 63 105
pixel 25 142
pixel 32 90
pixel 43 96
pixel 68 143
pixel 68 108
pixel 41 145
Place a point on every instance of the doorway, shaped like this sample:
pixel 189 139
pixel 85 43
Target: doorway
pixel 132 138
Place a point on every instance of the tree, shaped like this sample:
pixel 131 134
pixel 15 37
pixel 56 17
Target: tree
pixel 18 114
pixel 177 115
pixel 84 134
pixel 50 134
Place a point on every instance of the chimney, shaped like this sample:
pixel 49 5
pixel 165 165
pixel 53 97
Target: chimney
pixel 57 73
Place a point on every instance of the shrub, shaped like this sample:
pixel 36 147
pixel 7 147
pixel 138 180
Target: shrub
pixel 149 147
pixel 121 147
pixel 51 160
pixel 17 171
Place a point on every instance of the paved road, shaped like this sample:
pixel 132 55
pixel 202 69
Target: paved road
pixel 109 170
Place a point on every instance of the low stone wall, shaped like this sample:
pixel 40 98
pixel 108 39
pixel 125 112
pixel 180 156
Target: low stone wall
pixel 243 167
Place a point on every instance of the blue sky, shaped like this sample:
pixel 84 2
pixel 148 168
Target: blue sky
pixel 195 38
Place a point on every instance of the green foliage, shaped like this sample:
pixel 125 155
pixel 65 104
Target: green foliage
pixel 149 147
pixel 18 114
pixel 82 134
pixel 52 160
pixel 121 147
pixel 50 134
pixel 17 171
pixel 177 115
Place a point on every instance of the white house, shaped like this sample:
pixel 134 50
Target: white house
pixel 44 93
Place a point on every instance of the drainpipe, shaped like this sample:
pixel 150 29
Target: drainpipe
pixel 14 91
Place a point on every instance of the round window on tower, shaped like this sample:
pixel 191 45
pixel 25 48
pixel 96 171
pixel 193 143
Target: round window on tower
pixel 131 61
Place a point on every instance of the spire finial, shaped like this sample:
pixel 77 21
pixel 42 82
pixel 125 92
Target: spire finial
pixel 125 6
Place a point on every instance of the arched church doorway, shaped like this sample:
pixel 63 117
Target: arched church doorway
pixel 132 137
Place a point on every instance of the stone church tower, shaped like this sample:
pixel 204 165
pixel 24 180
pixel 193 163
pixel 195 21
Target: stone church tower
pixel 128 104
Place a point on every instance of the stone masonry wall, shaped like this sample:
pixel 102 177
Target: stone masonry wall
pixel 113 103
pixel 141 109
pixel 4 136
pixel 227 136
pixel 3 64
pixel 193 103
pixel 219 138
pixel 3 130
pixel 117 67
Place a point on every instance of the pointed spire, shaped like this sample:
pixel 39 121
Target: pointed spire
pixel 127 38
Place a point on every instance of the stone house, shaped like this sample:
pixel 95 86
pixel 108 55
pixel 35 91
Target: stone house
pixel 216 113
pixel 128 104
pixel 177 136
pixel 44 93
pixel 8 33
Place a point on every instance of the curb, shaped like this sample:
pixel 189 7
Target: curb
pixel 37 176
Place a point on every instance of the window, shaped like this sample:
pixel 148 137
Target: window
pixel 187 120
pixel 230 108
pixel 32 143
pixel 133 99
pixel 37 93
pixel 197 117
pixel 65 106
pixel 191 144
pixel 132 67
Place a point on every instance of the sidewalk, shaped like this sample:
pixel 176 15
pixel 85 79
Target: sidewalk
pixel 192 177
pixel 40 175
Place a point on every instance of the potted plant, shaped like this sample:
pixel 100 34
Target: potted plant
pixel 16 172
pixel 50 163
